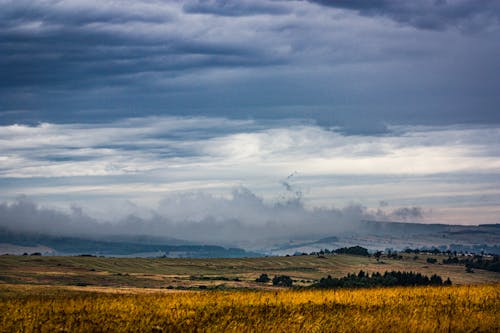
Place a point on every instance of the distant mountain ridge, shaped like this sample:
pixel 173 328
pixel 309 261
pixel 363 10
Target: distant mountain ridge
pixel 382 235
pixel 412 227
pixel 120 246
pixel 373 235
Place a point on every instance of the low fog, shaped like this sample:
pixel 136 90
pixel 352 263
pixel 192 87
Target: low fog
pixel 241 219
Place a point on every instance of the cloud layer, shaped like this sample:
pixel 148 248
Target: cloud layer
pixel 112 106
pixel 243 219
pixel 217 145
pixel 342 64
pixel 140 160
pixel 467 15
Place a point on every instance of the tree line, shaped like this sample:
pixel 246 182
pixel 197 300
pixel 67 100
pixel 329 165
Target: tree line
pixel 388 279
pixel 476 261
pixel 364 280
pixel 354 250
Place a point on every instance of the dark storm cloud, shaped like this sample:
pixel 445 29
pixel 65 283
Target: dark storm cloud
pixel 235 8
pixel 15 12
pixel 65 61
pixel 92 61
pixel 468 15
pixel 56 43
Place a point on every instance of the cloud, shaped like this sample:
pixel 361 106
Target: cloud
pixel 114 42
pixel 25 216
pixel 408 213
pixel 242 219
pixel 218 148
pixel 142 160
pixel 92 61
pixel 467 15
pixel 185 149
pixel 238 8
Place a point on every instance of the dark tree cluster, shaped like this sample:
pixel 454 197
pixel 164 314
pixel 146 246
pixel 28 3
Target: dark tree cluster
pixel 394 255
pixel 393 278
pixel 476 261
pixel 356 250
pixel 418 251
pixel 456 250
pixel 263 278
pixel 282 281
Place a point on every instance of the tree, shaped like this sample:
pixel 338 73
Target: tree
pixel 436 280
pixel 355 250
pixel 263 278
pixel 282 281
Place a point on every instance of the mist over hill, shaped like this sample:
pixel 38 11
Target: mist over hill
pixel 384 235
pixel 376 236
pixel 204 225
pixel 244 219
pixel 126 246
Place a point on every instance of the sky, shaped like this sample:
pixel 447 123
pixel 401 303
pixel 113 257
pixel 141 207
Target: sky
pixel 236 117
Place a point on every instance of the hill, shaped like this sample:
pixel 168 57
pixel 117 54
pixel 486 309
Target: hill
pixel 382 235
pixel 373 235
pixel 137 246
pixel 217 272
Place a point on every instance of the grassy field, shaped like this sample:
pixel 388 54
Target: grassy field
pixel 231 273
pixel 85 294
pixel 414 309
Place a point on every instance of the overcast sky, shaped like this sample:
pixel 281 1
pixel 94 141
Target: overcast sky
pixel 116 108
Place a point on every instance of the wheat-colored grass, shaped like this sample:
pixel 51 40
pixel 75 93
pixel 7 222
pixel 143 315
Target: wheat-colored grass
pixel 417 309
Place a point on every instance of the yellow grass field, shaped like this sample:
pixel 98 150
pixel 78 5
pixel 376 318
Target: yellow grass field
pixel 416 309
